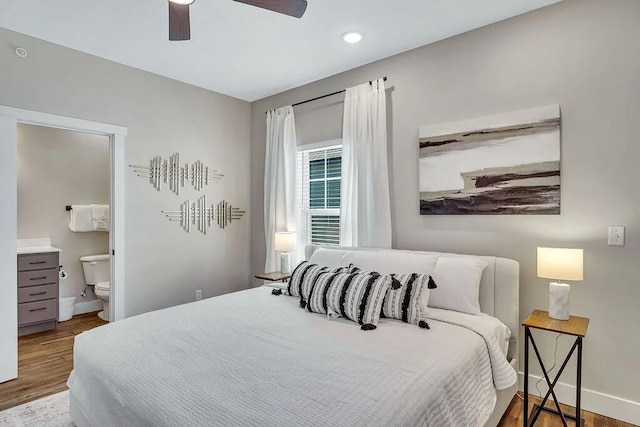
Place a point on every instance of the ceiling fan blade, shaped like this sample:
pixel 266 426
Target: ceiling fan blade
pixel 179 25
pixel 295 8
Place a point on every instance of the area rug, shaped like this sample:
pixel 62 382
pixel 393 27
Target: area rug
pixel 50 411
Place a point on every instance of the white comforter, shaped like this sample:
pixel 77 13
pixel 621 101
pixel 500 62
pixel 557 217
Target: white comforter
pixel 254 359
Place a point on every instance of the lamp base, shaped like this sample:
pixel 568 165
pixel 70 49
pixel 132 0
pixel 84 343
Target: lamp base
pixel 559 300
pixel 285 262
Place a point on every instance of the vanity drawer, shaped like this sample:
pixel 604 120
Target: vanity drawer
pixel 37 293
pixel 34 312
pixel 37 261
pixel 37 277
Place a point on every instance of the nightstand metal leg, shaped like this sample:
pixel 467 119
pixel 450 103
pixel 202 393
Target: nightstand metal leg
pixel 551 385
pixel 538 408
pixel 579 381
pixel 526 377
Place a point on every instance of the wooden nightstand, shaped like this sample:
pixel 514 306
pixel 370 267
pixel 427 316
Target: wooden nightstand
pixel 575 326
pixel 274 276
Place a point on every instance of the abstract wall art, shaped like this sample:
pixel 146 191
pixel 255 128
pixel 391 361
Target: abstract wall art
pixel 172 173
pixel 502 164
pixel 201 216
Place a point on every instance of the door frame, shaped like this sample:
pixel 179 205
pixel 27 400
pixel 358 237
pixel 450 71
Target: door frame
pixel 9 119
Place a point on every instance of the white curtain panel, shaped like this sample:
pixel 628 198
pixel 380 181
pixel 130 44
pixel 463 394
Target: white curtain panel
pixel 365 209
pixel 279 181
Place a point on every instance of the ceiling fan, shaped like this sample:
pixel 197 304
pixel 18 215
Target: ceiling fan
pixel 179 23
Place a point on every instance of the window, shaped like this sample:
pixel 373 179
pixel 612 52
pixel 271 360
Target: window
pixel 319 172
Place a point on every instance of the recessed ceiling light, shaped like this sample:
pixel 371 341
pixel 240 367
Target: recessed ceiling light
pixel 352 37
pixel 21 52
pixel 183 2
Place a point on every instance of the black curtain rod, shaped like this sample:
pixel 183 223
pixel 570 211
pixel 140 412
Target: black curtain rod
pixel 326 96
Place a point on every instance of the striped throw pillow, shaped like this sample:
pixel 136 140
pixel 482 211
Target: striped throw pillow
pixel 317 302
pixel 405 297
pixel 304 271
pixel 356 296
pixel 308 283
pixel 304 276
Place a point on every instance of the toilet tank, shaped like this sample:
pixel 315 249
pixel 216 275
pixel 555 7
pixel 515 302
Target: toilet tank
pixel 96 268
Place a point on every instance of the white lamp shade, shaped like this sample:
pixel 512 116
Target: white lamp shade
pixel 285 241
pixel 560 264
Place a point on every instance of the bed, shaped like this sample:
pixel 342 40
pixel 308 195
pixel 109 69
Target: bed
pixel 252 358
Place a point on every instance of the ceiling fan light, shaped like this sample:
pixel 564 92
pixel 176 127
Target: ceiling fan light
pixel 352 37
pixel 182 2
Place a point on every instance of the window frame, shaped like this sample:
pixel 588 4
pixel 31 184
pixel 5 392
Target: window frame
pixel 305 214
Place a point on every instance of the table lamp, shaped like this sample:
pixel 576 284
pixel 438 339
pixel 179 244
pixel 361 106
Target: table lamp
pixel 560 264
pixel 285 242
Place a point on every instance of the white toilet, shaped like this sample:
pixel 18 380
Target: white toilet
pixel 97 273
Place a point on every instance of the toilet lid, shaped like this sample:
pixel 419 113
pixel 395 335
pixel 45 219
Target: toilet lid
pixel 103 286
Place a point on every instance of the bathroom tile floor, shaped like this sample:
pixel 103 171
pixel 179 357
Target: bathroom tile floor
pixel 45 361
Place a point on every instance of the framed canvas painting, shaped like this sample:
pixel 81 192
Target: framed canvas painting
pixel 507 164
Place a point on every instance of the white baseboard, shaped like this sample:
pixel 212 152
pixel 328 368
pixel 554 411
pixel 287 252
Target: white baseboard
pixel 592 401
pixel 87 307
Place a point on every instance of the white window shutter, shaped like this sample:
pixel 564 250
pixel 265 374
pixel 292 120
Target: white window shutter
pixel 318 180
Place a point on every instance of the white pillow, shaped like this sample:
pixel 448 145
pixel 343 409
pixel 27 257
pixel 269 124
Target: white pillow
pixel 458 279
pixel 391 262
pixel 394 262
pixel 328 257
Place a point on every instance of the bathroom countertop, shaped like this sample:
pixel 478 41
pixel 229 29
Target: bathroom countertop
pixel 37 250
pixel 36 246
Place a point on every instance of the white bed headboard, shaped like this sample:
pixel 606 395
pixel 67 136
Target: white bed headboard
pixel 499 288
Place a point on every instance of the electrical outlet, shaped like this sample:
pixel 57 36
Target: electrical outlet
pixel 198 295
pixel 616 235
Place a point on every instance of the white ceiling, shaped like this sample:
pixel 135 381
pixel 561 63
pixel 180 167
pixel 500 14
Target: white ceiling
pixel 247 52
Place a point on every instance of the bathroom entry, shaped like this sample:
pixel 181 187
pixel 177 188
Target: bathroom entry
pixel 60 254
pixel 10 118
pixel 63 196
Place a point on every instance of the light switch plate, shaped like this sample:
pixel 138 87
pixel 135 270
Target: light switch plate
pixel 616 235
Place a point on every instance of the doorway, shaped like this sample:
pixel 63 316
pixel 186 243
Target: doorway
pixel 10 118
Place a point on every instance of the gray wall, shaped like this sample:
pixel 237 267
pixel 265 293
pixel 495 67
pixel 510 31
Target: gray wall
pixel 164 265
pixel 581 54
pixel 58 168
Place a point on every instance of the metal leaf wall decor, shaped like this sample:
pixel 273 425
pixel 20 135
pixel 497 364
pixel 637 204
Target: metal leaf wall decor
pixel 198 215
pixel 170 172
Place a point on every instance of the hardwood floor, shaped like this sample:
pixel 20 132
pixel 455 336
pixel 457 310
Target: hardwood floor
pixel 45 361
pixel 513 416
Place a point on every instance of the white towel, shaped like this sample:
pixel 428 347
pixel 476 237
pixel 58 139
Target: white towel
pixel 81 219
pixel 100 217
